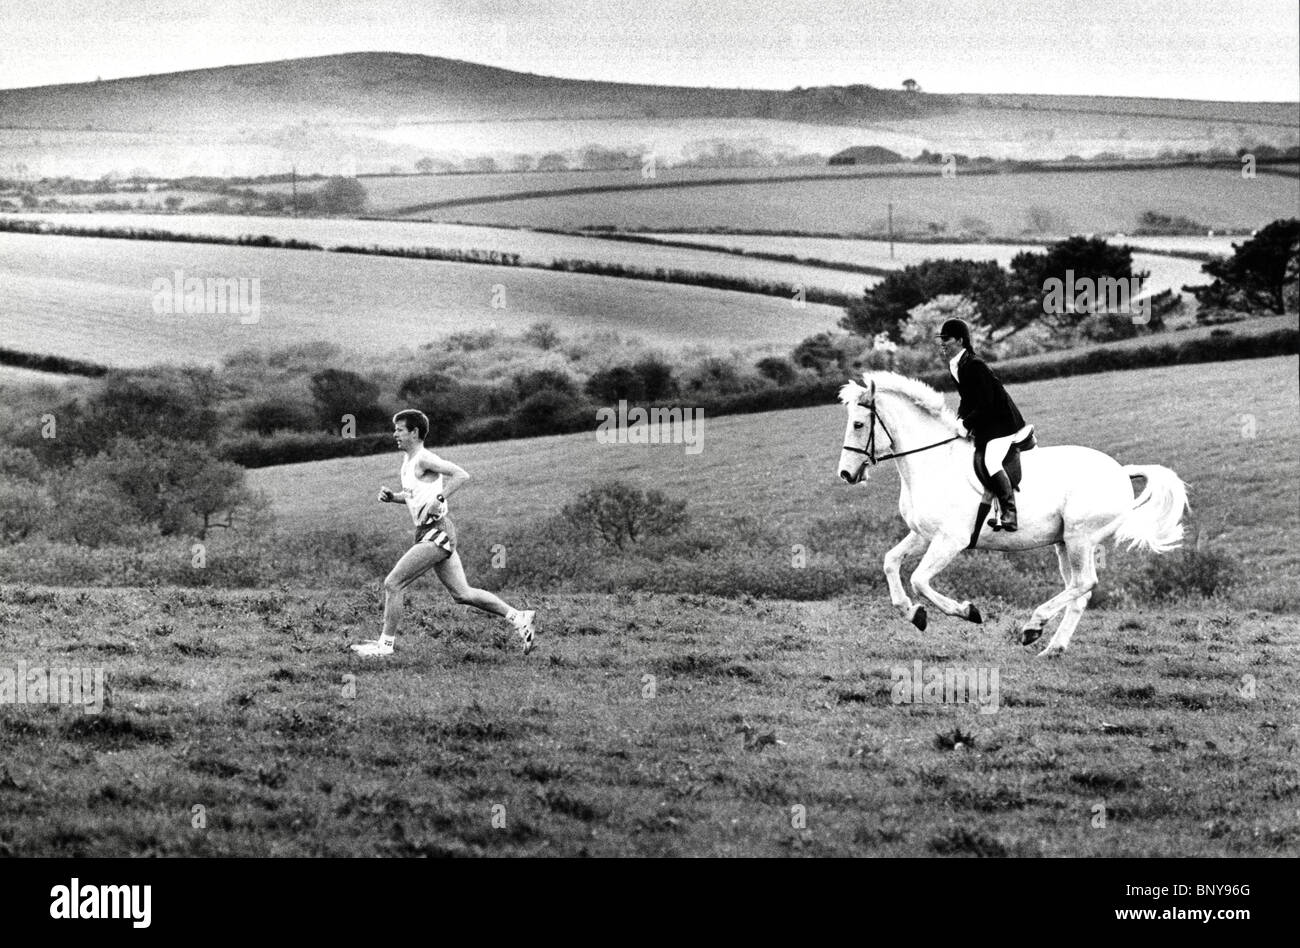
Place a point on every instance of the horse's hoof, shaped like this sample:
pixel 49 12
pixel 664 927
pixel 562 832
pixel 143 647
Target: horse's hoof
pixel 1029 634
pixel 973 614
pixel 919 618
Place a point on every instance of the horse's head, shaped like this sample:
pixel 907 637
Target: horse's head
pixel 860 431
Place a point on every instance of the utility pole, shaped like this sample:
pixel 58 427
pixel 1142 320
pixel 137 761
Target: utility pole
pixel 891 230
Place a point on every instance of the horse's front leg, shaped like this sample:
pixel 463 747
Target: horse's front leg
pixel 897 594
pixel 942 551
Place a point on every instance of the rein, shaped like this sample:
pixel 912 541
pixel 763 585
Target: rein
pixel 870 450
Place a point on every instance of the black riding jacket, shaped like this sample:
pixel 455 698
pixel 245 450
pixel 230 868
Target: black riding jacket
pixel 986 409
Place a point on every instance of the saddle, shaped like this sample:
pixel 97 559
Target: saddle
pixel 1010 464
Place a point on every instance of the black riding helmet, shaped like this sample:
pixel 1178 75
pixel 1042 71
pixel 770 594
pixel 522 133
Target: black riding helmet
pixel 956 329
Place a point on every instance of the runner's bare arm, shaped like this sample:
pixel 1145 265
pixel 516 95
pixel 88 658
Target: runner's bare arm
pixel 455 475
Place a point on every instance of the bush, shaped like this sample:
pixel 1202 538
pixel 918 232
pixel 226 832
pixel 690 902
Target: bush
pixel 528 384
pixel 657 377
pixel 341 196
pixel 1189 572
pixel 550 411
pixel 615 384
pixel 777 369
pixel 280 414
pixel 339 392
pixel 542 335
pixel 616 514
pixel 485 429
pixel 256 451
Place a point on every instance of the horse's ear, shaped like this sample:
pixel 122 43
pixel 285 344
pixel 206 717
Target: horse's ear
pixel 867 397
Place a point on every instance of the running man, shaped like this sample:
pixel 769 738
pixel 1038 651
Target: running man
pixel 425 493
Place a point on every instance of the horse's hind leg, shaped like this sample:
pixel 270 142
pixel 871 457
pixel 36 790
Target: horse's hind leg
pixel 1080 560
pixel 897 594
pixel 942 551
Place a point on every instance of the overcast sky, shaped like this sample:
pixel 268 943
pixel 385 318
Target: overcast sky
pixel 1200 49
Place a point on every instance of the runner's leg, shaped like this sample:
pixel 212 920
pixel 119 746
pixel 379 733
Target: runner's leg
pixel 452 574
pixel 414 563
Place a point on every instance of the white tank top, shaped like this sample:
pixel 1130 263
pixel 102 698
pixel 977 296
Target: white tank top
pixel 422 497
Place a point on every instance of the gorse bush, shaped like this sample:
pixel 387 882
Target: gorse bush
pixel 1189 572
pixel 617 514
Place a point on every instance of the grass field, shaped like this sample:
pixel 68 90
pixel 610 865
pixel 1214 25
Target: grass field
pixel 781 466
pixel 388 193
pixel 645 725
pixel 684 724
pixel 1006 205
pixel 1166 272
pixel 532 246
pixel 91 298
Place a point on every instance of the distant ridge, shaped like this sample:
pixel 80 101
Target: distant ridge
pixel 387 88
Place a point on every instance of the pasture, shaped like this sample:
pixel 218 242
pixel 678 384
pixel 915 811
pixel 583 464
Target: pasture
pixel 1242 472
pixel 678 723
pixel 532 246
pixel 1166 272
pixel 643 725
pixel 1035 204
pixel 92 298
pixel 387 194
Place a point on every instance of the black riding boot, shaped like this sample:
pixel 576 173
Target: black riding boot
pixel 1006 500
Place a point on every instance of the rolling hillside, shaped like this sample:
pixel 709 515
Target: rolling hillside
pixel 781 466
pixel 373 112
pixel 92 298
pixel 390 88
pixel 1033 204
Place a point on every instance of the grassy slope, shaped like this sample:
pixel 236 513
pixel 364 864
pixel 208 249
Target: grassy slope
pixel 532 246
pixel 1074 202
pixel 781 465
pixel 91 298
pixel 236 701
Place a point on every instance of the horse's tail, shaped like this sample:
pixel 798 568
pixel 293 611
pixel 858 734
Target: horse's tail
pixel 1153 522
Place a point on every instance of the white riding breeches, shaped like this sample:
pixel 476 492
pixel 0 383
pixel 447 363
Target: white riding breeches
pixel 995 452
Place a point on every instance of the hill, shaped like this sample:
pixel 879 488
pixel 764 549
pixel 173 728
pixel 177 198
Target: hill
pixel 387 88
pixel 779 467
pixel 380 112
pixel 92 298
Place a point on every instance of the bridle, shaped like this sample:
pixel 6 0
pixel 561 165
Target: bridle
pixel 870 450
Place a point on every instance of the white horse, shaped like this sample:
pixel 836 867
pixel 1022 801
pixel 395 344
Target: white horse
pixel 1072 497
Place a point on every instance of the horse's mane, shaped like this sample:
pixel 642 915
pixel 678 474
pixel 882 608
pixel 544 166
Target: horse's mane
pixel 914 390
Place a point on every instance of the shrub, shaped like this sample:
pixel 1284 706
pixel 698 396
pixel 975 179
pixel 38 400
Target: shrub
pixel 657 377
pixel 528 384
pixel 550 411
pixel 820 354
pixel 256 451
pixel 619 382
pixel 924 321
pixel 280 414
pixel 1189 572
pixel 542 335
pixel 777 369
pixel 616 514
pixel 341 196
pixel 339 392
